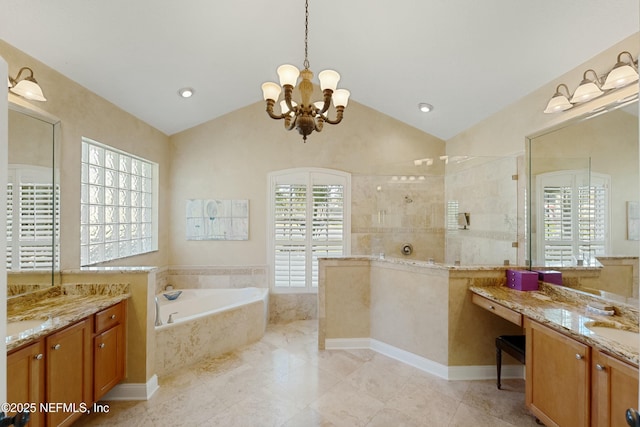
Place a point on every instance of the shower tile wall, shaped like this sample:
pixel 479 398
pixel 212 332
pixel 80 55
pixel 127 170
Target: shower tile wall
pixel 390 211
pixel 485 188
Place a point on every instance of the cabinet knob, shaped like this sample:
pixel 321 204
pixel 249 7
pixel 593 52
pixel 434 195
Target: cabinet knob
pixel 56 347
pixel 579 356
pixel 101 345
pixel 599 367
pixel 113 316
pixel 491 307
pixel 38 356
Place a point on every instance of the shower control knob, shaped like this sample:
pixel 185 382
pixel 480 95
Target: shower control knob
pixel 407 249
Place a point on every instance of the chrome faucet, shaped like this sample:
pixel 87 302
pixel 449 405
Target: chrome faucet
pixel 171 317
pixel 158 319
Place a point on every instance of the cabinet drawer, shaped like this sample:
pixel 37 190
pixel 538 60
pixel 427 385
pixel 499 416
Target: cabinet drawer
pixel 500 310
pixel 109 317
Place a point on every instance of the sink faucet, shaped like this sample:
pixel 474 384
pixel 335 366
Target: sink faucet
pixel 158 319
pixel 171 317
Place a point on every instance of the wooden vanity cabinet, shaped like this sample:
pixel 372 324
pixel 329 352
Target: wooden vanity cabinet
pixel 108 349
pixel 558 368
pixel 25 379
pixel 69 370
pixel 614 390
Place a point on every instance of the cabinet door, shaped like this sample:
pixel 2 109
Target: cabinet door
pixel 109 357
pixel 615 389
pixel 25 379
pixel 69 372
pixel 558 377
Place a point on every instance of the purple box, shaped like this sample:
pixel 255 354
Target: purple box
pixel 522 280
pixel 550 276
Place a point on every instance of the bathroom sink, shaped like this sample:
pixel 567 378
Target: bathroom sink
pixel 629 338
pixel 20 328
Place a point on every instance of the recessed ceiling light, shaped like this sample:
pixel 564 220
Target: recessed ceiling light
pixel 186 92
pixel 424 107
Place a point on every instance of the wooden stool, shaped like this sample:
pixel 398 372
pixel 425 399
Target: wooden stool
pixel 513 345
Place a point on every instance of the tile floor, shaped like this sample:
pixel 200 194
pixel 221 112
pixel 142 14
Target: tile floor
pixel 284 380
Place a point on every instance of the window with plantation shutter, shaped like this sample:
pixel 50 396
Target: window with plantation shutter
pixel 32 221
pixel 309 220
pixel 574 221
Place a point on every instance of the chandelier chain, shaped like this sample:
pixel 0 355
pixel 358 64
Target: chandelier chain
pixel 306 34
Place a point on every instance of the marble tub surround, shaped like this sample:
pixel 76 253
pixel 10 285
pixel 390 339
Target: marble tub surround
pixel 565 310
pixel 212 277
pixel 185 343
pixel 58 309
pixel 282 307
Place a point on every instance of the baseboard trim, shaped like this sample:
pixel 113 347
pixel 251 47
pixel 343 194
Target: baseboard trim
pixel 452 373
pixel 133 391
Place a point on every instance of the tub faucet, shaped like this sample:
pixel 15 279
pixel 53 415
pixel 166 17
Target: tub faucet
pixel 158 319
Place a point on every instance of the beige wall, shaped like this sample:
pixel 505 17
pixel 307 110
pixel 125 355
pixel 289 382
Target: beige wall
pixel 230 157
pixel 83 113
pixel 504 132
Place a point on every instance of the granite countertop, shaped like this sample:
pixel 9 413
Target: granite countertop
pixel 58 307
pixel 565 310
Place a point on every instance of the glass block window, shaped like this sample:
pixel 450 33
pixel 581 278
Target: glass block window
pixel 118 216
pixel 309 220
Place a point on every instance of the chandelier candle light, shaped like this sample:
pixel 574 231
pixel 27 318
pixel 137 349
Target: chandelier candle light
pixel 306 116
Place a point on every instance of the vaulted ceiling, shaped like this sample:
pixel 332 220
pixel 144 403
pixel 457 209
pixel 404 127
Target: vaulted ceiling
pixel 468 58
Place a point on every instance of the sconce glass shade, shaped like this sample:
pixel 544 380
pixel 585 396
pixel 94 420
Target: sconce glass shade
pixel 328 79
pixel 271 90
pixel 341 98
pixel 559 102
pixel 29 89
pixel 588 89
pixel 621 75
pixel 288 75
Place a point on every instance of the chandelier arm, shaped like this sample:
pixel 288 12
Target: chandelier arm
pixel 340 111
pixel 291 124
pixel 288 93
pixel 270 104
pixel 327 100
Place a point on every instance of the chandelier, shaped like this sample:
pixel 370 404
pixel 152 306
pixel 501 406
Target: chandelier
pixel 305 116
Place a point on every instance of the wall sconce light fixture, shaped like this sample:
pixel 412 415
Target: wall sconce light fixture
pixel 622 74
pixel 27 87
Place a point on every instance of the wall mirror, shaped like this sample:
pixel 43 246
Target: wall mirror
pixel 583 197
pixel 33 202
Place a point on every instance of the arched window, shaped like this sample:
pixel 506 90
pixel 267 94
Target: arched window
pixel 309 217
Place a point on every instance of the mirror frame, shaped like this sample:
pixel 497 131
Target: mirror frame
pixel 610 101
pixel 19 105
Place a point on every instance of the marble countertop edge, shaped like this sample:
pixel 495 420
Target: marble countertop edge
pixel 567 317
pixel 57 313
